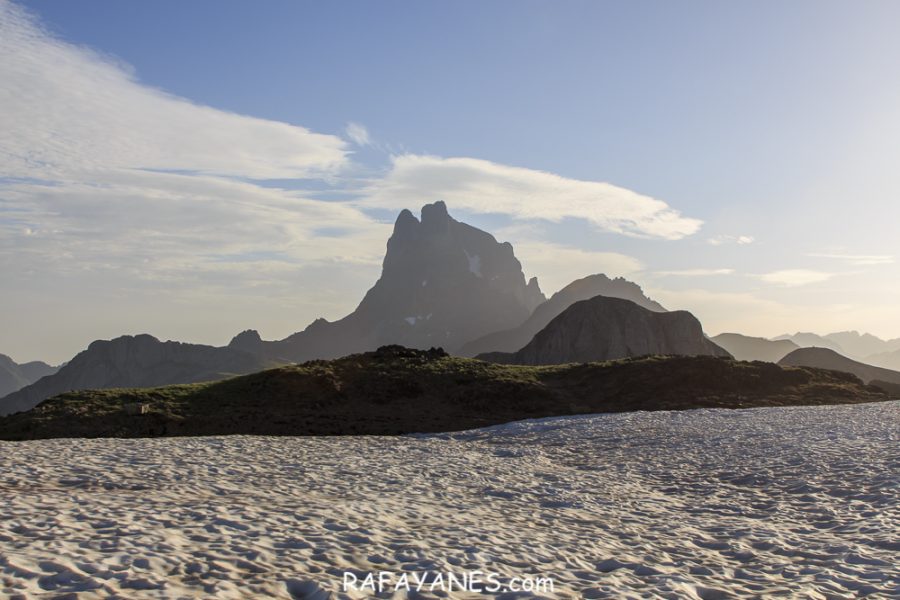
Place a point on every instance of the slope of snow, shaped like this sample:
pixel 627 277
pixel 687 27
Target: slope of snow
pixel 474 264
pixel 798 502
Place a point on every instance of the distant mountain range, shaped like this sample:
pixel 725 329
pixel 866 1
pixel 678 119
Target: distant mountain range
pixel 14 377
pixel 860 346
pixel 744 347
pixel 601 329
pixel 443 284
pixel 135 361
pixel 887 360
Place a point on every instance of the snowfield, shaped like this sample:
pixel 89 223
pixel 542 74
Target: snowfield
pixel 792 503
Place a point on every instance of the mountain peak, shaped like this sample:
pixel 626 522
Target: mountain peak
pixel 405 226
pixel 442 284
pixel 435 218
pixel 247 340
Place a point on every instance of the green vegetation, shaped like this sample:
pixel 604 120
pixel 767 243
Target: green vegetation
pixel 395 390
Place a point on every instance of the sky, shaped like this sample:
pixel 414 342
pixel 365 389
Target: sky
pixel 194 169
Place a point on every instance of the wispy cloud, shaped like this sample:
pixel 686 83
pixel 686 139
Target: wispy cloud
pixel 136 201
pixel 796 277
pixel 695 272
pixel 741 240
pixel 109 184
pixel 67 111
pixel 96 164
pixel 358 134
pixel 482 186
pixel 858 259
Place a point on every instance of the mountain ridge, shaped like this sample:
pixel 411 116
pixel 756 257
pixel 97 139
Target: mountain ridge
pixel 15 376
pixel 825 358
pixel 395 390
pixel 744 347
pixel 602 328
pixel 133 361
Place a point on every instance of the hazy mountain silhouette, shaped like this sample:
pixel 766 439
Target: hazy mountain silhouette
pixel 744 347
pixel 443 283
pixel 513 339
pixel 135 361
pixel 14 376
pixel 863 345
pixel 887 360
pixel 825 358
pixel 604 328
pixel 812 340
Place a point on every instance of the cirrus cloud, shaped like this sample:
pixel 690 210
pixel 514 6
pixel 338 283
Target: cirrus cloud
pixel 482 186
pixel 859 259
pixel 68 110
pixel 695 272
pixel 740 240
pixel 795 277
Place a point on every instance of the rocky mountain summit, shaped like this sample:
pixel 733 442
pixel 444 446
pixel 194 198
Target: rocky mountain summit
pixel 443 283
pixel 513 339
pixel 602 329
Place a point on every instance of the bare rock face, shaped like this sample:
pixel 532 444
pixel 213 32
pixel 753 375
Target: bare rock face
pixel 443 283
pixel 134 361
pixel 611 328
pixel 511 340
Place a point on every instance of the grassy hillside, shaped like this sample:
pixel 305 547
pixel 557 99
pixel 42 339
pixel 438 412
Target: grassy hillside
pixel 395 390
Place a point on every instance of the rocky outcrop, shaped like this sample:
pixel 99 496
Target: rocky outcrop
pixel 135 361
pixel 743 347
pixel 14 376
pixel 443 283
pixel 511 340
pixel 825 358
pixel 604 328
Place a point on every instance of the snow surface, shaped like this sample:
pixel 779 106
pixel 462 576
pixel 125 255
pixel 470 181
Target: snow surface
pixel 798 502
pixel 474 264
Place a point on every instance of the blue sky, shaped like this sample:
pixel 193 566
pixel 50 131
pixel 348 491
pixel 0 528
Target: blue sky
pixel 766 131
